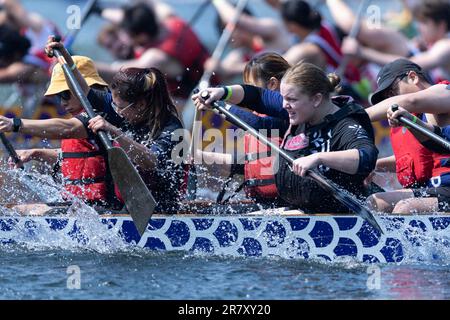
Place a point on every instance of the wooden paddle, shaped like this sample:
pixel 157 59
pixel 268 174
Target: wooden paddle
pixel 203 84
pixel 138 198
pixel 433 136
pixel 342 196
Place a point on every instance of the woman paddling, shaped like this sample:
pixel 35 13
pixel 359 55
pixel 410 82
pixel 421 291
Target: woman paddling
pixel 141 117
pixel 143 125
pixel 255 162
pixel 332 135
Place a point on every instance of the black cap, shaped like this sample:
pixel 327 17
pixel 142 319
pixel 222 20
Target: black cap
pixel 389 73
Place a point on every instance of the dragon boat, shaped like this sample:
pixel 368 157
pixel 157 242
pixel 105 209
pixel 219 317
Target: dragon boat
pixel 245 230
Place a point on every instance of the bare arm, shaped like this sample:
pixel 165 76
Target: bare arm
pixel 15 72
pixel 380 38
pixel 151 58
pixel 345 161
pixel 115 15
pixel 22 17
pixel 386 164
pixel 307 52
pixel 48 156
pixel 138 153
pixel 267 28
pixel 49 128
pixel 216 93
pixel 433 100
pixel 438 55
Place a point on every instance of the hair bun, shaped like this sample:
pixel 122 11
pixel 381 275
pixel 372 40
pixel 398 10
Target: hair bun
pixel 335 80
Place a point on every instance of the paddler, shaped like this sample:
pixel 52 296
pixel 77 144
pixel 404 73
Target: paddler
pixel 333 136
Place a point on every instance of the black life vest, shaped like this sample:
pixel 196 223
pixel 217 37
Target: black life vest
pixel 305 193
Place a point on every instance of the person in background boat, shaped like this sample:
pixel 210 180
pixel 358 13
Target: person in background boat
pixel 169 45
pixel 433 18
pixel 320 42
pixel 115 15
pixel 251 36
pixel 263 70
pixel 81 158
pixel 16 64
pixel 141 117
pixel 32 26
pixel 334 136
pixel 422 172
pixel 115 40
pixel 378 37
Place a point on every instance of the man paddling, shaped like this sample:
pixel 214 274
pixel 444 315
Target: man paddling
pixel 423 173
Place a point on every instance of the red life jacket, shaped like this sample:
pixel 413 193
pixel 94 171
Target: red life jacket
pixel 259 178
pixel 84 169
pixel 183 45
pixel 415 164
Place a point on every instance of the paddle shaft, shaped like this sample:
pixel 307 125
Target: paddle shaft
pixel 10 149
pixel 223 41
pixel 433 136
pixel 217 54
pixel 81 96
pixel 199 12
pixel 325 183
pixel 340 71
pixel 203 84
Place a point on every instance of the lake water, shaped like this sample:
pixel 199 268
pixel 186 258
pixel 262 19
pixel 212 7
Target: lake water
pixel 42 269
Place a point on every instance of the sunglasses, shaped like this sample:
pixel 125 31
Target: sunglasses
pixel 65 95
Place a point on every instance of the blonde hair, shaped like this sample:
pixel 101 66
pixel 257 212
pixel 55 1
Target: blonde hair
pixel 149 81
pixel 311 79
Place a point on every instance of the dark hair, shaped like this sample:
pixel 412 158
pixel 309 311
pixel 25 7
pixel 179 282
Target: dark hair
pixel 220 24
pixel 136 84
pixel 265 66
pixel 435 10
pixel 13 46
pixel 140 18
pixel 311 79
pixel 301 13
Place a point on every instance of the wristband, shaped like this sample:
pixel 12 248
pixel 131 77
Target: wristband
pixel 17 124
pixel 229 94
pixel 225 93
pixel 73 67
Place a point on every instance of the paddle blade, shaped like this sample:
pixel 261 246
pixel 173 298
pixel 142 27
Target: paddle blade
pixel 138 198
pixel 360 210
